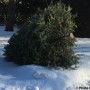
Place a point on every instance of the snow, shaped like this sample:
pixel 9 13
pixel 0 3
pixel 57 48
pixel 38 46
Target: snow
pixel 32 77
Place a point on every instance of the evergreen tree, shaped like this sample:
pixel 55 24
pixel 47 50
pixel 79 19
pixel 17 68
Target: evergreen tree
pixel 45 39
pixel 26 8
pixel 82 9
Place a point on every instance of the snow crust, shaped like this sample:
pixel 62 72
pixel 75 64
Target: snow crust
pixel 32 77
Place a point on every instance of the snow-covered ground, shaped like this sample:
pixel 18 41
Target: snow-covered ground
pixel 31 77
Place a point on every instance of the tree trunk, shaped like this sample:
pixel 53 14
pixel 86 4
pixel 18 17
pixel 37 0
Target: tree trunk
pixel 10 15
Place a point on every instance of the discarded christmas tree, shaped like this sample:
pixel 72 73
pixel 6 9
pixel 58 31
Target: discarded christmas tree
pixel 45 39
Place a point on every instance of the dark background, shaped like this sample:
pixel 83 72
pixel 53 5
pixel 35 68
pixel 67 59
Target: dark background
pixel 28 7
